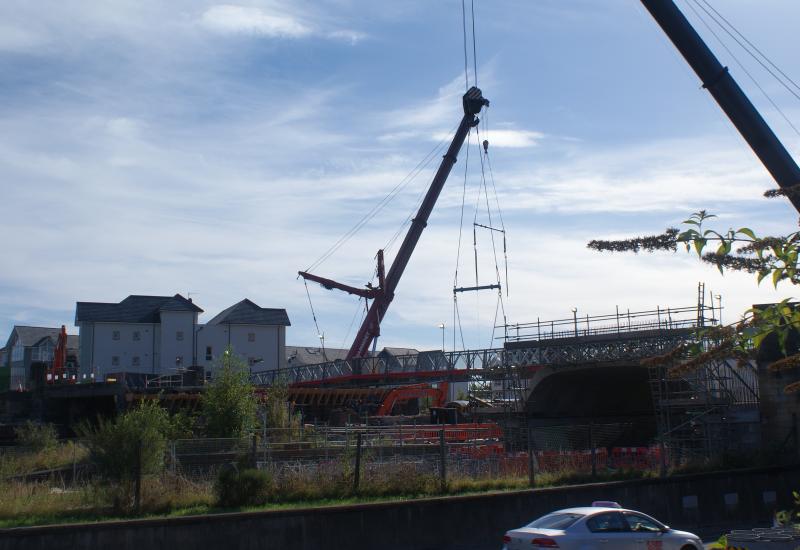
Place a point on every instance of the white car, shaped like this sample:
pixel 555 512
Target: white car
pixel 606 527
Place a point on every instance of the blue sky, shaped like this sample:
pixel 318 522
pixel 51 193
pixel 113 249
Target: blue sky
pixel 158 147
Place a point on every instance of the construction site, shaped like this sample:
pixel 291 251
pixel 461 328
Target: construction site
pixel 574 386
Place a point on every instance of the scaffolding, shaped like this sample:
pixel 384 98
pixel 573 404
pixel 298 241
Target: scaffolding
pixel 707 411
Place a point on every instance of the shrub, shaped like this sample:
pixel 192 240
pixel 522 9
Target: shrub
pixel 229 402
pixel 247 487
pixel 135 439
pixel 37 437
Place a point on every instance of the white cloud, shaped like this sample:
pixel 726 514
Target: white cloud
pixel 15 39
pixel 664 176
pixel 227 18
pixel 513 139
pixel 354 37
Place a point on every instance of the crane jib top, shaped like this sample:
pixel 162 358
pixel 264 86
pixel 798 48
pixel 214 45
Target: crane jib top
pixel 472 102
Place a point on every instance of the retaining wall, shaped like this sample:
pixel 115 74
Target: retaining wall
pixel 722 500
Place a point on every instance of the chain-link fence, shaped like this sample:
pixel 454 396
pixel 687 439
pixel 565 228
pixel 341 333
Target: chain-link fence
pixel 594 447
pixel 476 452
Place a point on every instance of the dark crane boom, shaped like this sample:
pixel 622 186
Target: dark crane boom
pixel 727 93
pixel 473 101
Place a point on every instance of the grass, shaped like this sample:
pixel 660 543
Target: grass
pixel 44 503
pixel 15 463
pixel 26 503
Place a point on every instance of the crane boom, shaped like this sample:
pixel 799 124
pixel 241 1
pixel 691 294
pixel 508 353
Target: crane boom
pixel 473 101
pixel 727 93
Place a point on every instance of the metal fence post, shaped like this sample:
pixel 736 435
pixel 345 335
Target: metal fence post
pixel 531 471
pixel 594 451
pixel 137 488
pixel 357 472
pixel 74 463
pixel 253 456
pixel 442 461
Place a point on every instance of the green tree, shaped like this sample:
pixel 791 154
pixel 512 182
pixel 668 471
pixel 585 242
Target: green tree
pixel 229 401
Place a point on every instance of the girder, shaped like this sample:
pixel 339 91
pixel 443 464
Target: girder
pixel 484 363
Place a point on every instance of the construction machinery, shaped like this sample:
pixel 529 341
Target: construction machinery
pixel 382 295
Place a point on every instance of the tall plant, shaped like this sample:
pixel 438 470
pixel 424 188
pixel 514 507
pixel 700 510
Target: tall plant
pixel 133 441
pixel 229 401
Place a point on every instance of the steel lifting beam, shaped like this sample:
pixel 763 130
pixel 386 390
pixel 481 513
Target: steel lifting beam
pixel 727 93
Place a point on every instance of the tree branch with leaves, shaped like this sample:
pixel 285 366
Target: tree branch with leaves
pixel 773 257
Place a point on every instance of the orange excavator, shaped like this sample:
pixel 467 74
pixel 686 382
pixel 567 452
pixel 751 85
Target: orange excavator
pixel 57 373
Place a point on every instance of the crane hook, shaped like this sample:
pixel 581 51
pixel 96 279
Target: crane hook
pixel 486 146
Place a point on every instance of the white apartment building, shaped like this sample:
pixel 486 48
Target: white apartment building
pixel 160 335
pixel 254 333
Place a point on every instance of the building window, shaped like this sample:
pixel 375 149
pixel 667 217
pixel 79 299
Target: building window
pixel 115 361
pixel 251 336
pixel 135 361
pixel 115 335
pixel 209 353
pixel 136 336
pixel 179 335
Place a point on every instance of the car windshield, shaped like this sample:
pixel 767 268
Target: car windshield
pixel 555 521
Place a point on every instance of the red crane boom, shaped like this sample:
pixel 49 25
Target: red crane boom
pixel 473 101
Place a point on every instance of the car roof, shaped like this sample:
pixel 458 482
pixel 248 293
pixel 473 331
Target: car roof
pixel 587 510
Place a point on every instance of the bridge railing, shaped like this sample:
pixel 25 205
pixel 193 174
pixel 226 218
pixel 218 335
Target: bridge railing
pixel 426 361
pixel 615 323
pixel 486 363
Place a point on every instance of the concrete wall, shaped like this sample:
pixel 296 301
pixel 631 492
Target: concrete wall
pixel 704 503
pixel 779 411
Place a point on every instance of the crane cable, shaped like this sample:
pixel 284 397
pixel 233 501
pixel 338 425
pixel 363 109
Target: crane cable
pixel 311 305
pixel 738 62
pixel 474 45
pixel 500 303
pixel 456 314
pixel 421 165
pixel 754 48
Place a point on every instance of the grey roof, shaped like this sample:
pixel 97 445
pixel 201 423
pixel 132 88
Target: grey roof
pixel 249 313
pixel 28 336
pixel 297 356
pixel 133 309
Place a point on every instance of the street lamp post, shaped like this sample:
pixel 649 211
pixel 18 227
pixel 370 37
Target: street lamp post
pixel 575 320
pixel 322 345
pixel 441 326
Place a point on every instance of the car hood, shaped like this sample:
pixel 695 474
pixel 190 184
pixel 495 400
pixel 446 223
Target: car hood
pixel 682 534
